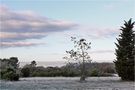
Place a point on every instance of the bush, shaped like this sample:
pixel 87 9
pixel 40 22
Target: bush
pixel 25 72
pixel 15 77
pixel 9 68
pixel 10 75
pixel 94 72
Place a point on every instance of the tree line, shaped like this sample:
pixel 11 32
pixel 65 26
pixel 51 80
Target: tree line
pixel 68 70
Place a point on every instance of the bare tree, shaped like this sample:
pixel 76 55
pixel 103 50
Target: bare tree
pixel 79 54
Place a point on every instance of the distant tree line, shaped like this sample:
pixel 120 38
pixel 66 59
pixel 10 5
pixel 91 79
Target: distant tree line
pixel 9 70
pixel 69 70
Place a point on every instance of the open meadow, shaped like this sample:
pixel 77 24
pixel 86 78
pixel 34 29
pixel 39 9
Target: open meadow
pixel 68 83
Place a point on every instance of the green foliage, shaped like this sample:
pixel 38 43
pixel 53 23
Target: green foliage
pixel 94 72
pixel 9 74
pixel 9 69
pixel 33 64
pixel 29 69
pixel 124 53
pixel 25 72
pixel 69 70
pixel 70 73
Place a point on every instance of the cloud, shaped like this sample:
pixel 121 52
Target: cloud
pixel 18 44
pixel 95 32
pixel 13 37
pixel 102 51
pixel 25 25
pixel 102 32
pixel 102 55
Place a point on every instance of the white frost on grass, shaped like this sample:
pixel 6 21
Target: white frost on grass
pixel 67 83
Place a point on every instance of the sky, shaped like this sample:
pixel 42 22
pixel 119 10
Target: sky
pixel 40 30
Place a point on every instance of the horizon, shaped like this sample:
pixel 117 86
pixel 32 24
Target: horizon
pixel 40 30
pixel 52 63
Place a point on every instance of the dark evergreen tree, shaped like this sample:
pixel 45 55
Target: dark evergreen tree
pixel 125 59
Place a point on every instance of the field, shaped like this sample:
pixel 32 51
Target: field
pixel 67 83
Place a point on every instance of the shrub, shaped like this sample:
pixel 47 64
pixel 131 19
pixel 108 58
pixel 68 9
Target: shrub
pixel 9 68
pixel 94 72
pixel 25 72
pixel 10 75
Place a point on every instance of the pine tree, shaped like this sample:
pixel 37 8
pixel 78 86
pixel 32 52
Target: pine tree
pixel 125 59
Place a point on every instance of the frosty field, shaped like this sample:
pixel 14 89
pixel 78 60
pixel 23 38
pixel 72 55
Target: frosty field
pixel 67 83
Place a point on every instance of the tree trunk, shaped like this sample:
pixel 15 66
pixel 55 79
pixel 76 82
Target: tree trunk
pixel 82 78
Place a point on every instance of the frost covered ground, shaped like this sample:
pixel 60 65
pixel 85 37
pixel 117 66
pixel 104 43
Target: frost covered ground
pixel 63 83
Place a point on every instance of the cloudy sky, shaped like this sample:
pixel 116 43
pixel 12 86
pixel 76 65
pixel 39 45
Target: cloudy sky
pixel 41 29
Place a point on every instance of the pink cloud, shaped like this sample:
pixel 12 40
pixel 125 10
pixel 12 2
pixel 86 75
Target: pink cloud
pixel 25 25
pixel 17 44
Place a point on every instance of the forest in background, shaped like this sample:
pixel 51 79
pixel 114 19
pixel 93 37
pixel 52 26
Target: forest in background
pixel 11 66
